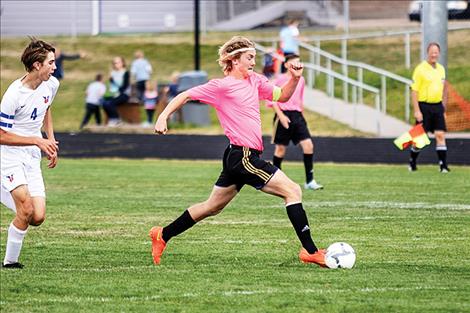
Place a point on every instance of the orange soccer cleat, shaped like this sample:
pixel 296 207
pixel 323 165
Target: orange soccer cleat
pixel 158 244
pixel 317 257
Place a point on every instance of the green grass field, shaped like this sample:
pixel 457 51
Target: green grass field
pixel 410 232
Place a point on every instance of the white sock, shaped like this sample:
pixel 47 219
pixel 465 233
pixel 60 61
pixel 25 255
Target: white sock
pixel 7 199
pixel 14 243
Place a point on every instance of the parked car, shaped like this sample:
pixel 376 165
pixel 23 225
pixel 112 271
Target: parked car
pixel 455 9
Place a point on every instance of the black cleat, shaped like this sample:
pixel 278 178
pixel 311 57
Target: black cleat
pixel 412 167
pixel 13 265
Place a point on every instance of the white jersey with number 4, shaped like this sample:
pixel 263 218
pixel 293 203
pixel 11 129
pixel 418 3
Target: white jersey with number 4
pixel 22 109
pixel 22 112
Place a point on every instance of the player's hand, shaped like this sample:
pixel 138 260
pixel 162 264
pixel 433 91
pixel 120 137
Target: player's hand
pixel 296 69
pixel 52 161
pixel 284 120
pixel 161 126
pixel 418 116
pixel 48 146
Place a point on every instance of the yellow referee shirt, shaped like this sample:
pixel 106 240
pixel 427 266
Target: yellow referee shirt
pixel 429 82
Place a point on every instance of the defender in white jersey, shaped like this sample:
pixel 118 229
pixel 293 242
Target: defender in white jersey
pixel 24 110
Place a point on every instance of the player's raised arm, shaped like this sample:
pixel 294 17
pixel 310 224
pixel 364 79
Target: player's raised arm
pixel 296 70
pixel 177 102
pixel 283 119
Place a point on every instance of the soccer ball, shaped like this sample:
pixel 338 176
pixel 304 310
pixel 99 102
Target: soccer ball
pixel 340 255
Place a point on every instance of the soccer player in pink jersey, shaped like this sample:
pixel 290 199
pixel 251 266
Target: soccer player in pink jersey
pixel 290 124
pixel 236 99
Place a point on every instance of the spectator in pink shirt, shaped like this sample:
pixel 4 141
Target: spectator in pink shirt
pixel 290 124
pixel 236 99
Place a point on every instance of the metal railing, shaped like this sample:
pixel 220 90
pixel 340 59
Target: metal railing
pixel 316 54
pixel 315 58
pixel 378 34
pixel 331 76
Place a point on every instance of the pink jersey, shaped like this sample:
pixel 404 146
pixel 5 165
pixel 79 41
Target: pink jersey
pixel 237 104
pixel 296 101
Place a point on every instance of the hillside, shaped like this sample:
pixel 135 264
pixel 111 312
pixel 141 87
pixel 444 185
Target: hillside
pixel 174 52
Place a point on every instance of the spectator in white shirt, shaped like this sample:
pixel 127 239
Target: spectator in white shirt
pixel 94 96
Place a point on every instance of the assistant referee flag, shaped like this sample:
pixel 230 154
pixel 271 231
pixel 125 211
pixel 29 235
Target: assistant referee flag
pixel 415 136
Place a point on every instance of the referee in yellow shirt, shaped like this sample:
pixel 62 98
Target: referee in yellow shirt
pixel 429 98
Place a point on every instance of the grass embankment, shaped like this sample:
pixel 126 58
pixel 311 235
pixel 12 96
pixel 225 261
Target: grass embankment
pixel 174 52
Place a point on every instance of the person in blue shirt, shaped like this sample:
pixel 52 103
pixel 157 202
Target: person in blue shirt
pixel 59 61
pixel 141 70
pixel 289 36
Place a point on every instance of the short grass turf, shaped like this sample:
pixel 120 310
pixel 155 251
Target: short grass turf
pixel 410 232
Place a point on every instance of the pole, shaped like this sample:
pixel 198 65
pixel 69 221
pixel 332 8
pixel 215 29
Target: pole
pixel 196 36
pixel 95 21
pixel 434 28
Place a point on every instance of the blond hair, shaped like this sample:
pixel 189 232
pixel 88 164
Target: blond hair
pixel 225 52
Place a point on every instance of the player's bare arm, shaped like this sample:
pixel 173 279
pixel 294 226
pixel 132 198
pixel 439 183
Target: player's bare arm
pixel 10 139
pixel 444 95
pixel 296 70
pixel 417 112
pixel 283 119
pixel 161 126
pixel 49 129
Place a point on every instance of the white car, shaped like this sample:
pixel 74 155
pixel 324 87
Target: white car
pixel 456 10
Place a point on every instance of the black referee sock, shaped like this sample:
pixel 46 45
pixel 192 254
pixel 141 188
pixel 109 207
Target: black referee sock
pixel 308 165
pixel 299 220
pixel 414 152
pixel 277 161
pixel 181 224
pixel 442 155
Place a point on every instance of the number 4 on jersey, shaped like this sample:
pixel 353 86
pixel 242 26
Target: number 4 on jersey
pixel 34 114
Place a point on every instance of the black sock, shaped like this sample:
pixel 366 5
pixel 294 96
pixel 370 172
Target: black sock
pixel 308 165
pixel 277 161
pixel 181 224
pixel 299 220
pixel 150 114
pixel 442 156
pixel 414 152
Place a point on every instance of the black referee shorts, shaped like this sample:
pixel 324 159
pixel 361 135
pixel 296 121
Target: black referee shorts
pixel 242 165
pixel 433 116
pixel 296 132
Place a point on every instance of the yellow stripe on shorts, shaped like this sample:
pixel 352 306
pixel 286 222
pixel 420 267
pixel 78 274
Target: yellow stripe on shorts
pixel 250 168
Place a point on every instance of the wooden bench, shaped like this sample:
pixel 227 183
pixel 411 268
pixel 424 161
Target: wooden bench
pixel 130 112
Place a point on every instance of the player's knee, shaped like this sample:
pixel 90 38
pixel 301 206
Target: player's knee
pixel 37 220
pixel 298 191
pixel 440 137
pixel 307 147
pixel 25 211
pixel 280 151
pixel 295 192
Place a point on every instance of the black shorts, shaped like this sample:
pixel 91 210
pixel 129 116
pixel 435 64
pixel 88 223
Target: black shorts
pixel 296 132
pixel 433 116
pixel 242 165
